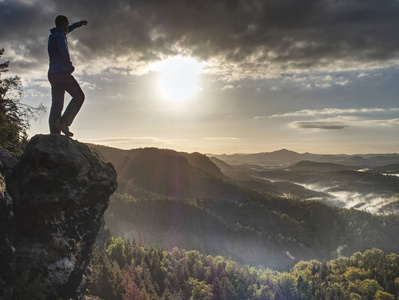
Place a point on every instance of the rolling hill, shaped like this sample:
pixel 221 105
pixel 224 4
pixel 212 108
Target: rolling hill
pixel 171 173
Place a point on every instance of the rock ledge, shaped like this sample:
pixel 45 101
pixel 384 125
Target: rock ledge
pixel 59 190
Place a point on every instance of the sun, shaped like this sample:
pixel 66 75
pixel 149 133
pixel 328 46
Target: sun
pixel 179 78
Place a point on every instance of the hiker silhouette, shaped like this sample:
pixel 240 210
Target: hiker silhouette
pixel 61 79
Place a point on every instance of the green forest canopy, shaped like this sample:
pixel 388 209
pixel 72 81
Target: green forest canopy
pixel 132 271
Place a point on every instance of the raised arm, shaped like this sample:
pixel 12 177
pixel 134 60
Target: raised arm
pixel 76 25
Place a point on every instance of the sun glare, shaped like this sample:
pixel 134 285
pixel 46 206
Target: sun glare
pixel 179 76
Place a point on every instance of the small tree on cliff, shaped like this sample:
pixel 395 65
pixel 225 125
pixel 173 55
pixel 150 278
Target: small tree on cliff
pixel 14 115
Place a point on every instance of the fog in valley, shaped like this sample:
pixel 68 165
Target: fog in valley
pixel 372 202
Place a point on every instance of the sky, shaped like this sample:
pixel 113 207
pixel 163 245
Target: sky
pixel 215 76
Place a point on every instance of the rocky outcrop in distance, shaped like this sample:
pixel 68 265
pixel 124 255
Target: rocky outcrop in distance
pixel 52 200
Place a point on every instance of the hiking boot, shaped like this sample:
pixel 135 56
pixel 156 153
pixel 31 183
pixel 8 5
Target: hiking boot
pixel 64 128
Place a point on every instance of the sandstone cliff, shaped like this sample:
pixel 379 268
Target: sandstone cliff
pixel 52 200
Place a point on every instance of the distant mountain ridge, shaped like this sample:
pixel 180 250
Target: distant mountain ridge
pixel 284 157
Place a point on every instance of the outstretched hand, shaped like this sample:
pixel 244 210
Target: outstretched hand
pixel 81 23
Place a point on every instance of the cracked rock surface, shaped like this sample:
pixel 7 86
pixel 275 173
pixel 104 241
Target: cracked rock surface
pixel 59 190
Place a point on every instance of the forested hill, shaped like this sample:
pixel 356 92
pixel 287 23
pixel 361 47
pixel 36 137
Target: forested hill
pixel 272 232
pixel 166 201
pixel 120 157
pixel 170 173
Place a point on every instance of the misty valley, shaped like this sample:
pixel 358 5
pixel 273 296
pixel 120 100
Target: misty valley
pixel 268 211
pixel 367 187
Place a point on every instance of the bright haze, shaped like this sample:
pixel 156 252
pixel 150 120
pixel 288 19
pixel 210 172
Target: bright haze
pixel 219 76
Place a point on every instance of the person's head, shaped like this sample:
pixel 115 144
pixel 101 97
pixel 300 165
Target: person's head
pixel 62 22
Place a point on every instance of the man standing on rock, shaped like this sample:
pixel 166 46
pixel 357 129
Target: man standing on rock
pixel 61 79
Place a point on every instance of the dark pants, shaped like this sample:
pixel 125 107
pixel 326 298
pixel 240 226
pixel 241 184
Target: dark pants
pixel 61 82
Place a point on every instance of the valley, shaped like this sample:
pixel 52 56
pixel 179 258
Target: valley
pixel 258 215
pixel 371 188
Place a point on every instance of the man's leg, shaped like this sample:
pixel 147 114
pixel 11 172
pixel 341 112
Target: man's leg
pixel 57 104
pixel 73 88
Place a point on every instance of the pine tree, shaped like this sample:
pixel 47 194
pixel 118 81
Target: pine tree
pixel 131 291
pixel 106 276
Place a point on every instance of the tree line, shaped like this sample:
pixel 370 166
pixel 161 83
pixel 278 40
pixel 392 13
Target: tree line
pixel 130 270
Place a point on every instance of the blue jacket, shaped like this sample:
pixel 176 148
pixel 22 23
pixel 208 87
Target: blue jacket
pixel 58 50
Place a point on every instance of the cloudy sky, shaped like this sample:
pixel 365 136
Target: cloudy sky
pixel 219 76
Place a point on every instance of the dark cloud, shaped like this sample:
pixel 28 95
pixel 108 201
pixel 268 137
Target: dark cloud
pixel 319 125
pixel 23 34
pixel 253 36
